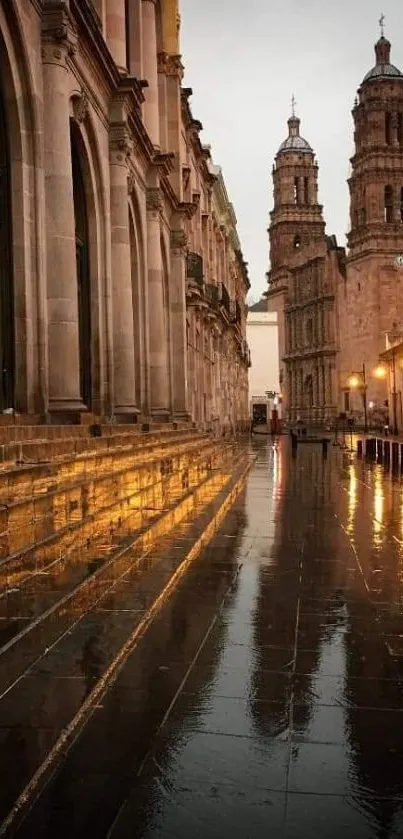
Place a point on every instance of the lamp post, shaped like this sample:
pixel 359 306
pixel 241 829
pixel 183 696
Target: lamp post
pixel 358 380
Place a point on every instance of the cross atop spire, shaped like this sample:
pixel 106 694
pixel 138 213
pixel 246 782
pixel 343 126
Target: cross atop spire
pixel 382 24
pixel 293 104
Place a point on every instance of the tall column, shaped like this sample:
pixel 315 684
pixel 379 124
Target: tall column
pixel 150 72
pixel 158 316
pixel 122 290
pixel 59 40
pixel 116 32
pixel 180 406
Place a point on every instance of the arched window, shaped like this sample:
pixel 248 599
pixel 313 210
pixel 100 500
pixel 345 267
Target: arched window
pixel 306 191
pixel 388 204
pixel 7 355
pixel 296 195
pixel 400 129
pixel 401 204
pixel 388 128
pixel 83 271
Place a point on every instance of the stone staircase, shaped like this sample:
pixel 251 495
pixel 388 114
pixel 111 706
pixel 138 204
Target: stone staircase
pixel 86 524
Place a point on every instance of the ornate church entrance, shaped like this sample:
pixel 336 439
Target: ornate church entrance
pixel 7 350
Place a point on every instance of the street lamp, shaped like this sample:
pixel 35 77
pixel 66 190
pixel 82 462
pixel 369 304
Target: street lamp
pixel 358 381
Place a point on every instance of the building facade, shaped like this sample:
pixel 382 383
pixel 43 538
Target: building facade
pixel 303 282
pixel 371 298
pixel 336 308
pixel 98 222
pixel 264 374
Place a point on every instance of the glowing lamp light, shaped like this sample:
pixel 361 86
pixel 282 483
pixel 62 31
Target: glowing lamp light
pixel 371 405
pixel 380 372
pixel 353 381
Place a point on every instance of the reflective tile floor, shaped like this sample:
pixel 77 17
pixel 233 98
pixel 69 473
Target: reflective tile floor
pixel 265 700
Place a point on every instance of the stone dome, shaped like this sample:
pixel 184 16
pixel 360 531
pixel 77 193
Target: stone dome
pixel 294 142
pixel 383 68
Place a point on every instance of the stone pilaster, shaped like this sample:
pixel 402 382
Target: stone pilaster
pixel 59 41
pixel 150 71
pixel 157 305
pixel 122 292
pixel 116 32
pixel 180 407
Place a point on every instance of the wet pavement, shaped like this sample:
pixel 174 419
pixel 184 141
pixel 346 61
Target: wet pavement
pixel 265 699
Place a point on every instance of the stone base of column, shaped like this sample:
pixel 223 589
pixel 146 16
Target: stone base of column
pixel 181 416
pixel 66 411
pixel 160 415
pixel 126 415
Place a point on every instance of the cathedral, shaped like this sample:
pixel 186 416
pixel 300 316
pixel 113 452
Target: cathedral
pixel 122 281
pixel 340 310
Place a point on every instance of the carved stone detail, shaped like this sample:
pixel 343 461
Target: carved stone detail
pixel 178 241
pixel 154 202
pixel 59 35
pixel 120 143
pixel 80 107
pixel 131 181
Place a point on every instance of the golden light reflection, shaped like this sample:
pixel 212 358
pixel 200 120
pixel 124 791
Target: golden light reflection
pixel 352 499
pixel 380 372
pixel 379 506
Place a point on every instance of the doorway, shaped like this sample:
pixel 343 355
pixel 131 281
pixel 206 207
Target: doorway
pixel 83 274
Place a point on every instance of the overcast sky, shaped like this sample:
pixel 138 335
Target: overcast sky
pixel 244 60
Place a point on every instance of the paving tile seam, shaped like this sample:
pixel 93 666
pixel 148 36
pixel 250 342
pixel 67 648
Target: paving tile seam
pixel 137 542
pixel 59 750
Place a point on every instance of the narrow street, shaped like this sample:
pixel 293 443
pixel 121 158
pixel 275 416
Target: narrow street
pixel 265 698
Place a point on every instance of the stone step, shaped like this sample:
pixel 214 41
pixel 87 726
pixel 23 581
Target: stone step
pixel 42 449
pixel 37 610
pixel 21 480
pixel 66 662
pixel 38 527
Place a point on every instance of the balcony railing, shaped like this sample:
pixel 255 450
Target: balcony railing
pixel 225 299
pixel 194 268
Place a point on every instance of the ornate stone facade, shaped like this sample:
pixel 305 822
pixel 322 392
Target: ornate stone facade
pixel 303 280
pixel 336 311
pixel 371 298
pixel 95 144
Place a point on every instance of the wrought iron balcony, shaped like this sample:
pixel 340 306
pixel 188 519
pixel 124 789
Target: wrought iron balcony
pixel 225 299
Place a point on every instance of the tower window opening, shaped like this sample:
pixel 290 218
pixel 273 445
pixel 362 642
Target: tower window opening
pixel 388 204
pixel 295 190
pixel 388 128
pixel 297 241
pixel 401 204
pixel 362 216
pixel 306 193
pixel 400 129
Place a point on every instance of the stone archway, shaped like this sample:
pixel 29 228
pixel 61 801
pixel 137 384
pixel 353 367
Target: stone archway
pixel 7 348
pixel 83 271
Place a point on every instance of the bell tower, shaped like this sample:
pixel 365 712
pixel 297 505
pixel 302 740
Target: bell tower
pixel 296 219
pixel 376 182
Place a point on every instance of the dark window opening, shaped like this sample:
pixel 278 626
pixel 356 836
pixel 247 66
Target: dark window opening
pixel 401 204
pixel 297 242
pixel 83 273
pixel 362 216
pixel 127 31
pixel 388 128
pixel 388 204
pixel 7 353
pixel 306 191
pixel 400 129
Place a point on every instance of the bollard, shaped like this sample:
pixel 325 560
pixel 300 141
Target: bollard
pixel 379 450
pixel 395 455
pixel 359 448
pixel 386 451
pixel 324 447
pixel 294 444
pixel 370 448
